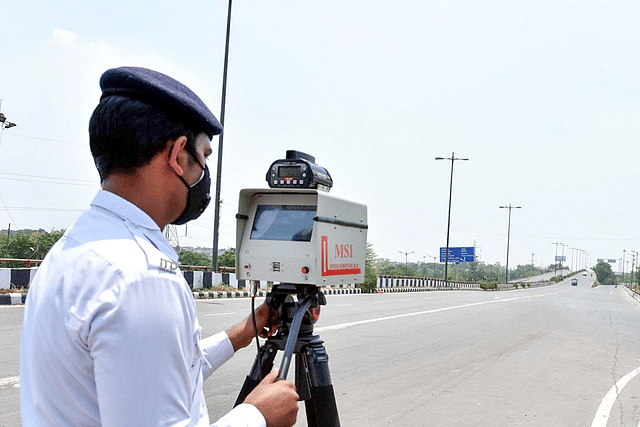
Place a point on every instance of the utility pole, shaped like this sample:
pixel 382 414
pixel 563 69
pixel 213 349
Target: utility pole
pixel 6 252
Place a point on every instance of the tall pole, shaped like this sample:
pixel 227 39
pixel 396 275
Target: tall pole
pixel 633 268
pixel 434 265
pixel 406 262
pixel 555 260
pixel 6 252
pixel 4 123
pixel 216 219
pixel 506 278
pixel 446 256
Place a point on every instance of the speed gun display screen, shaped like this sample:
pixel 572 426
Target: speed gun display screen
pixel 289 171
pixel 289 223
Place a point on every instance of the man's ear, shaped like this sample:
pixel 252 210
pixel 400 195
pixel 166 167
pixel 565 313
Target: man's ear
pixel 178 156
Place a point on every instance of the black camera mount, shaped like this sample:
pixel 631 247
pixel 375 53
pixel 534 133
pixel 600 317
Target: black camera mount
pixel 296 336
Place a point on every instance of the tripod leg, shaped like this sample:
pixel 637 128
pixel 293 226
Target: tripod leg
pixel 321 407
pixel 264 360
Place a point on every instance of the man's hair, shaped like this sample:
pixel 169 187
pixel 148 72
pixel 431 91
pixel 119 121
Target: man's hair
pixel 125 134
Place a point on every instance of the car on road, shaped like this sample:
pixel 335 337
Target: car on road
pixel 574 282
pixel 584 274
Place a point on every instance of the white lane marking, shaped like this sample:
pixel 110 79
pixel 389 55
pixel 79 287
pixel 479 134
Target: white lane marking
pixel 343 305
pixel 218 314
pixel 417 313
pixel 602 416
pixel 13 382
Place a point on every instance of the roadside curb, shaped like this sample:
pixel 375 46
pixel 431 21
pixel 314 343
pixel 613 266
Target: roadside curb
pixel 246 294
pixel 424 289
pixel 12 298
pixel 20 298
pixel 632 294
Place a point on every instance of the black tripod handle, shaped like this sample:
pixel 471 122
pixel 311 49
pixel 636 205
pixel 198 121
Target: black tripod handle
pixel 293 338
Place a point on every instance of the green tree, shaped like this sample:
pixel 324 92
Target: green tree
pixel 370 276
pixel 227 258
pixel 604 274
pixel 21 246
pixel 193 258
pixel 47 240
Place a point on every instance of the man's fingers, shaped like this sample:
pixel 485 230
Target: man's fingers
pixel 272 376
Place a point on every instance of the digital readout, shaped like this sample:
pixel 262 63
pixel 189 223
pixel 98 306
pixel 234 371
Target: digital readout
pixel 289 171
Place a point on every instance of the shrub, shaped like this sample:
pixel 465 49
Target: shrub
pixel 369 286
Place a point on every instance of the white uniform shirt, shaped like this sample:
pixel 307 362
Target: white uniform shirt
pixel 110 335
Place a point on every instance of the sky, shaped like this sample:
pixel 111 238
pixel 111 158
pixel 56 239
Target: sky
pixel 542 97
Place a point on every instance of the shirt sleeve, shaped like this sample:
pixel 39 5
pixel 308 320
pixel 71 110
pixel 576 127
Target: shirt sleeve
pixel 243 415
pixel 217 349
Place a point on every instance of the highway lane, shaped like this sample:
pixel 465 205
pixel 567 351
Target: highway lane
pixel 534 357
pixel 541 277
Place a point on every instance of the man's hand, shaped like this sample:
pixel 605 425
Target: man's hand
pixel 242 333
pixel 276 400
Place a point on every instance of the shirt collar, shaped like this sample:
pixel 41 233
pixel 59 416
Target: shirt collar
pixel 131 213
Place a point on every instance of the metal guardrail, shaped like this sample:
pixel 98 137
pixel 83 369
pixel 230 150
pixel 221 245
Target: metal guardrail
pixel 28 262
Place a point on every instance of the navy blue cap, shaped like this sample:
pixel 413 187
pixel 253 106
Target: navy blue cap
pixel 163 92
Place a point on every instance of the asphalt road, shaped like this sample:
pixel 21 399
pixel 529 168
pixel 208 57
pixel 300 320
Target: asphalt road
pixel 541 277
pixel 530 357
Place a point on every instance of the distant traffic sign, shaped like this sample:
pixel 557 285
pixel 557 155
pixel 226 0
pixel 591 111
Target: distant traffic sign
pixel 467 254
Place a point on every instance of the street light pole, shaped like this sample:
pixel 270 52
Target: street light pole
pixel 633 266
pixel 555 260
pixel 217 201
pixel 434 265
pixel 406 257
pixel 4 123
pixel 446 256
pixel 506 280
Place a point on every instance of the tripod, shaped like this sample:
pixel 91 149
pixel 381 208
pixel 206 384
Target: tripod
pixel 295 336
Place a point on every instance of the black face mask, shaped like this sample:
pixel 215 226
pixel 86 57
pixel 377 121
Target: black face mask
pixel 197 198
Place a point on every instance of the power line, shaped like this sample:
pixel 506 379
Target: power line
pixel 40 209
pixel 82 183
pixel 49 140
pixel 48 177
pixel 8 213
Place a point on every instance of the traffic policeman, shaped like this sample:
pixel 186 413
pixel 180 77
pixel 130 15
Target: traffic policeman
pixel 110 335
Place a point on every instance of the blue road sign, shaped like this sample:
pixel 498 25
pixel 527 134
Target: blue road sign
pixel 458 254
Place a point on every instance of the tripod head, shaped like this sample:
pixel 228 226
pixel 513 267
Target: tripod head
pixel 282 302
